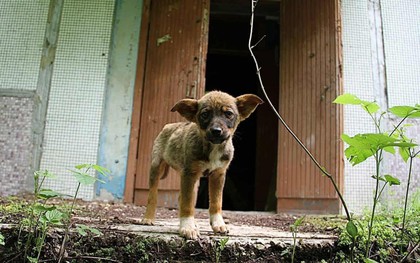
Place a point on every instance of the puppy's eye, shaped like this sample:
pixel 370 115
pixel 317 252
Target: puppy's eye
pixel 204 115
pixel 228 114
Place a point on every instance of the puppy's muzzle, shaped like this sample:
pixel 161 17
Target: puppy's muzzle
pixel 216 135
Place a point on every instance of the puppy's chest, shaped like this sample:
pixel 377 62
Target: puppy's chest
pixel 216 159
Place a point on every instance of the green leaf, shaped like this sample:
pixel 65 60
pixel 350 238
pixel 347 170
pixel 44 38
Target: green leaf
pixel 83 166
pixel 368 260
pixel 370 107
pixel 348 99
pixel 83 229
pixel 45 173
pixel 102 170
pixel 389 149
pixel 54 217
pixel 380 178
pixel 1 240
pixel 363 146
pixel 39 208
pixel 404 153
pixel 299 221
pixel 84 178
pixel 351 229
pixel 391 180
pixel 48 193
pixel 406 111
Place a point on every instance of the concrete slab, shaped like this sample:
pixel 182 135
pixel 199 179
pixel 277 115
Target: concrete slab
pixel 168 230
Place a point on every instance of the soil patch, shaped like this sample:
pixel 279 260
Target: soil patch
pixel 254 236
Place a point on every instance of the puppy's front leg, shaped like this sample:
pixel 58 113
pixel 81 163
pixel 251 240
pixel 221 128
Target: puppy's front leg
pixel 216 183
pixel 187 200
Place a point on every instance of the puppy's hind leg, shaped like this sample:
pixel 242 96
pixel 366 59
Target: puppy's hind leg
pixel 158 170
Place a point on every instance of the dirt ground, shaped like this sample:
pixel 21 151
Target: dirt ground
pixel 117 246
pixel 117 213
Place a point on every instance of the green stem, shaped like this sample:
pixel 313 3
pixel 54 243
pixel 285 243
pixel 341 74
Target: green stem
pixel 398 125
pixel 66 233
pixel 39 246
pixel 412 156
pixel 375 201
pixel 294 246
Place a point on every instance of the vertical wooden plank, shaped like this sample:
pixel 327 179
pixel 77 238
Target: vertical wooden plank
pixel 135 119
pixel 339 126
pixel 42 92
pixel 307 87
pixel 174 69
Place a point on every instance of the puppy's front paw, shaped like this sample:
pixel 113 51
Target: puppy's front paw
pixel 147 221
pixel 188 228
pixel 218 224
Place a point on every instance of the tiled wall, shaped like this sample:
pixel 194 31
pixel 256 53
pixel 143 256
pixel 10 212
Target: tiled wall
pixel 22 27
pixel 15 144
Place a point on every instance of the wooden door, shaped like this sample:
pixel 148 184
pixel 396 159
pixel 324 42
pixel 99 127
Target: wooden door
pixel 171 68
pixel 310 79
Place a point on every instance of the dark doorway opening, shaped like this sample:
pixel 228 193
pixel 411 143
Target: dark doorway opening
pixel 251 178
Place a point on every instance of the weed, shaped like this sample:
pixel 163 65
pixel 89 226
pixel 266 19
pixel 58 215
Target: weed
pixel 218 247
pixel 141 248
pixel 39 216
pixel 294 228
pixel 364 146
pixel 1 240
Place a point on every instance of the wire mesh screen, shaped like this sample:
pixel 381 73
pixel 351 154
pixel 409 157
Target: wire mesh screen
pixel 401 28
pixel 357 78
pixel 77 91
pixel 22 33
pixel 401 44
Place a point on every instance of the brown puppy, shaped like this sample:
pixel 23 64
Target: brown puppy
pixel 202 146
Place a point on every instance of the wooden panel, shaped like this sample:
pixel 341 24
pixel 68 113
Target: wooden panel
pixel 174 69
pixel 309 81
pixel 135 118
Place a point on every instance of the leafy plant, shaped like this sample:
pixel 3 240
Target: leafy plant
pixel 386 229
pixel 84 229
pixel 363 146
pixel 41 216
pixel 219 246
pixel 294 228
pixel 83 178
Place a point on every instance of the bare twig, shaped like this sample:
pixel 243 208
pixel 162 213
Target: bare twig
pixel 94 258
pixel 411 252
pixel 322 169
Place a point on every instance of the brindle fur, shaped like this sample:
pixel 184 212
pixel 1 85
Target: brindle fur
pixel 201 146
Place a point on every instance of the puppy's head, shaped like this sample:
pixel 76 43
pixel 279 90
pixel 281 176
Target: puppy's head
pixel 218 114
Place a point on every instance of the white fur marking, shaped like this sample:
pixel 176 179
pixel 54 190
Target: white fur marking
pixel 218 224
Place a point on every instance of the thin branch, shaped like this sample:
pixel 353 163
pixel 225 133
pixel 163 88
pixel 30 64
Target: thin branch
pixel 322 169
pixel 261 39
pixel 411 252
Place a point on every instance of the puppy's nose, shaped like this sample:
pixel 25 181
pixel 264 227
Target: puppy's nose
pixel 216 131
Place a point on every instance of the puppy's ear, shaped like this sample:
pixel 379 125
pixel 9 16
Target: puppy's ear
pixel 247 104
pixel 187 108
